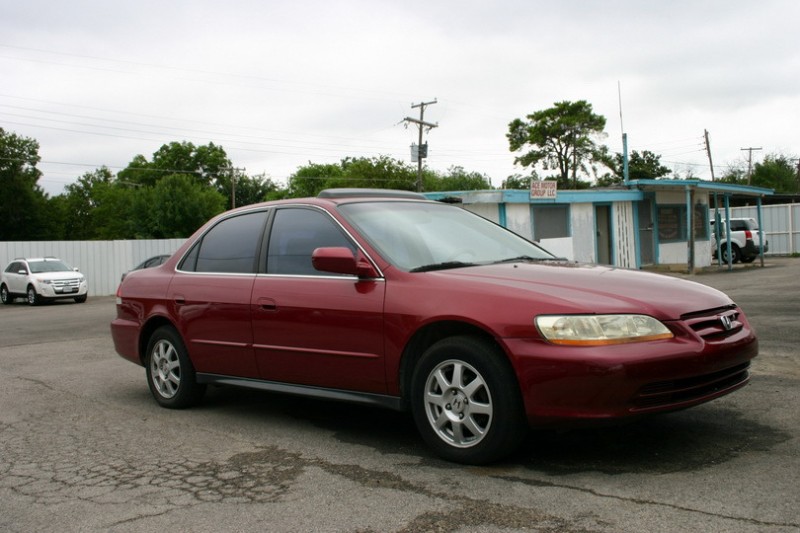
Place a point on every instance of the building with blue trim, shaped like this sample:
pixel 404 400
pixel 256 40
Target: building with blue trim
pixel 644 223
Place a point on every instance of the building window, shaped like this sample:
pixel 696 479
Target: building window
pixel 672 223
pixel 550 221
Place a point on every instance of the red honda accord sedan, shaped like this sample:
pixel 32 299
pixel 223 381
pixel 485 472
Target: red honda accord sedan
pixel 386 298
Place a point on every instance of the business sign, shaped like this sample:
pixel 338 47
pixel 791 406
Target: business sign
pixel 544 189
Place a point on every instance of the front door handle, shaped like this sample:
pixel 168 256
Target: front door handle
pixel 267 304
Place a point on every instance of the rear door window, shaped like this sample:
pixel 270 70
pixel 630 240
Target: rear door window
pixel 229 247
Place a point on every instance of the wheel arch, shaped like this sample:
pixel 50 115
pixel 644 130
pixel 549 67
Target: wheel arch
pixel 429 335
pixel 147 331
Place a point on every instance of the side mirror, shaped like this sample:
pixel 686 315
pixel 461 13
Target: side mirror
pixel 340 260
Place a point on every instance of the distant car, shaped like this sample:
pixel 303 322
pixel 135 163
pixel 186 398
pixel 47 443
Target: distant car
pixel 150 262
pixel 745 240
pixel 389 299
pixel 41 279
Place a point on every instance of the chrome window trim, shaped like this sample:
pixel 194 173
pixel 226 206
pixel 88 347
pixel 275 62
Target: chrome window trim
pixel 222 218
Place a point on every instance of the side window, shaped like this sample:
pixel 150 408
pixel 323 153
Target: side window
pixel 231 246
pixel 296 233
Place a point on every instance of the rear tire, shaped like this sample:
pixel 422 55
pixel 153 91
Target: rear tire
pixel 170 374
pixel 735 253
pixel 466 401
pixel 6 296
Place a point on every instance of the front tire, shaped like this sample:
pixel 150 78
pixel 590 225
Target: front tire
pixel 466 402
pixel 170 374
pixel 80 299
pixel 32 297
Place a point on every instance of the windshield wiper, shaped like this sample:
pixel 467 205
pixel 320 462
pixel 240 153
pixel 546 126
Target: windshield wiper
pixel 527 258
pixel 441 266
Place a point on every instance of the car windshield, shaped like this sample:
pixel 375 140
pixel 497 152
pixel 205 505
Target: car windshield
pixel 38 267
pixel 419 236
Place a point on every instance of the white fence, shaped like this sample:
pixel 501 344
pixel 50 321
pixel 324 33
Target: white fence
pixel 780 223
pixel 102 262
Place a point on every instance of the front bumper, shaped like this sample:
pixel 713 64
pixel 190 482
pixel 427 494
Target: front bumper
pixel 564 385
pixel 50 291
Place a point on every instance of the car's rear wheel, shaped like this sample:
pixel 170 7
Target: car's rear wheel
pixel 33 297
pixel 170 374
pixel 6 296
pixel 465 401
pixel 736 254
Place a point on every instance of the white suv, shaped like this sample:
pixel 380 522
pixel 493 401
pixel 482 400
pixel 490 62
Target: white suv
pixel 41 279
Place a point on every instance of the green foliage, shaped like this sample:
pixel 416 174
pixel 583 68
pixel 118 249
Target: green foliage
pixel 179 205
pixel 80 204
pixel 381 172
pixel 559 138
pixel 643 165
pixel 777 172
pixel 23 213
pixel 204 163
pixel 309 180
pixel 458 179
pixel 249 189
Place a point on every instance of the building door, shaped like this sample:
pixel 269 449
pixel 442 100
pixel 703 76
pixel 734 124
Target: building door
pixel 604 242
pixel 646 236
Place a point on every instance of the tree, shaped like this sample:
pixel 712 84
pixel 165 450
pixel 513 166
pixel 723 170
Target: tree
pixel 204 163
pixel 776 172
pixel 249 189
pixel 23 202
pixel 382 172
pixel 310 179
pixel 80 203
pixel 643 165
pixel 178 205
pixel 458 179
pixel 558 138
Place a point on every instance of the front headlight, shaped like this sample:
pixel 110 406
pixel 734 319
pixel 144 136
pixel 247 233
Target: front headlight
pixel 48 281
pixel 600 330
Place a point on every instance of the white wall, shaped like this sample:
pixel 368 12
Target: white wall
pixel 102 262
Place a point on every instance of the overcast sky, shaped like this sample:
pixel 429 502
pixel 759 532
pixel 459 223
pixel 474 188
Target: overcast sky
pixel 279 84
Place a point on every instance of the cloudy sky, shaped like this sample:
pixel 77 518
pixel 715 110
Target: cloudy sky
pixel 282 83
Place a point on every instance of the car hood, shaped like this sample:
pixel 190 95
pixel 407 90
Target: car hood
pixel 67 274
pixel 577 288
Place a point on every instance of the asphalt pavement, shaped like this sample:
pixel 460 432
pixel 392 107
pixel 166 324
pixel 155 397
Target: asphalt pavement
pixel 83 447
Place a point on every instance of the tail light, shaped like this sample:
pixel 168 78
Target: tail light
pixel 748 235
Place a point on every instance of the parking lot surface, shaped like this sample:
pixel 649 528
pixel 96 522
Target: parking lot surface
pixel 85 448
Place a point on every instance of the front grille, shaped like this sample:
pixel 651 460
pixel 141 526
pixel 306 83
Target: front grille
pixel 715 324
pixel 60 284
pixel 677 391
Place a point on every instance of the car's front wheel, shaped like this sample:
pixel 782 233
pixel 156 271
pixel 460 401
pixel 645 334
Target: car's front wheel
pixel 33 297
pixel 80 299
pixel 170 373
pixel 466 402
pixel 5 296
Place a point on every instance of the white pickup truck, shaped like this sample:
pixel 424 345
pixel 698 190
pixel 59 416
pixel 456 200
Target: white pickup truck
pixel 745 240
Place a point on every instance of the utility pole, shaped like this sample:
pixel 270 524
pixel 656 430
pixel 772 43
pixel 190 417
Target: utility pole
pixel 422 152
pixel 233 171
pixel 750 162
pixel 708 151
